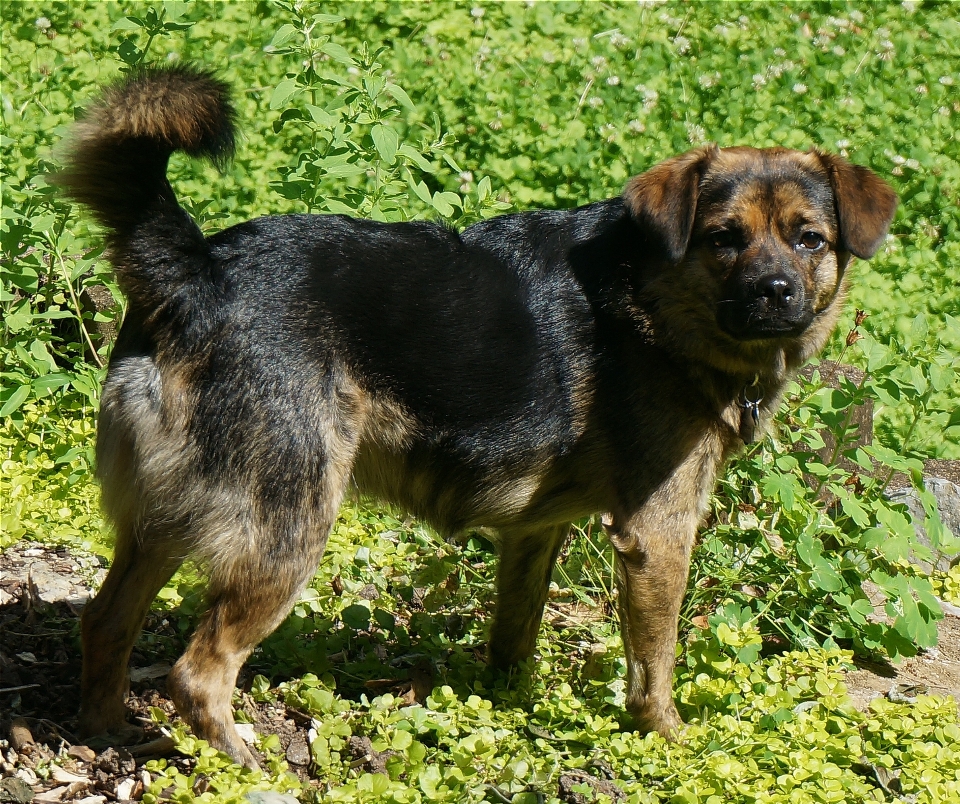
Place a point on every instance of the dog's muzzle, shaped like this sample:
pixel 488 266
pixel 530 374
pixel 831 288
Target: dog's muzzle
pixel 771 305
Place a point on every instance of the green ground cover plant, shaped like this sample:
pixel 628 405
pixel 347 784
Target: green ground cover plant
pixel 461 111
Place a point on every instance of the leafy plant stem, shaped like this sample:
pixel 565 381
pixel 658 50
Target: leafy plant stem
pixel 55 250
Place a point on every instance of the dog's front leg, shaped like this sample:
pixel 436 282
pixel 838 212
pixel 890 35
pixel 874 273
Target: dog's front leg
pixel 652 561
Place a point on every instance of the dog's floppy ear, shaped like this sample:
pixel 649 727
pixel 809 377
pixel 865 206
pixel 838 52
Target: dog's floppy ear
pixel 865 205
pixel 663 201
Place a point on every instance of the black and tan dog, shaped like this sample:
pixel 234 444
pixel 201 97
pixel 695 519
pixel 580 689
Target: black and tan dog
pixel 529 371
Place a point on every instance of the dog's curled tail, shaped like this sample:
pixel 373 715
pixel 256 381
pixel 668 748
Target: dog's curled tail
pixel 115 162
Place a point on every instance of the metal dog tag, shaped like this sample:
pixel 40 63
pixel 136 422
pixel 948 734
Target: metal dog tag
pixel 750 399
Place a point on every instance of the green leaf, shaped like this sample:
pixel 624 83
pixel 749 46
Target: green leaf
pixel 15 400
pixel 284 34
pixel 356 616
pixel 128 24
pixel 400 96
pixel 386 141
pixel 339 53
pixel 416 157
pixel 782 488
pixel 283 92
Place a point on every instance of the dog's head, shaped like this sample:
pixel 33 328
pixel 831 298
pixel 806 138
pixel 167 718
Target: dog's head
pixel 754 243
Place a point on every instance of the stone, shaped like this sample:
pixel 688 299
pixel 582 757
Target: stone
pixel 947 495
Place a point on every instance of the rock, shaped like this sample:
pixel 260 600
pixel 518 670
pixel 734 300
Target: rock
pixel 270 797
pixel 947 495
pixel 15 791
pixel 246 732
pixel 298 753
pixel 48 587
pixel 115 761
pixel 125 789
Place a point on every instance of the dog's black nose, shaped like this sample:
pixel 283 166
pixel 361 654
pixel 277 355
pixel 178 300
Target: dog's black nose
pixel 778 291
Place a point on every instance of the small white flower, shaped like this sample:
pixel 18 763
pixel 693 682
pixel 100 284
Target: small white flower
pixel 466 176
pixel 946 80
pixel 856 16
pixel 636 127
pixel 496 125
pixel 708 80
pixel 608 131
pixel 921 89
pixel 913 164
pixel 899 160
pixel 780 52
pixel 594 102
pixel 695 134
pixel 908 5
pixel 618 40
pixel 598 62
pixel 682 44
pixel 758 80
pixel 613 80
pixel 897 171
pixel 883 33
pixel 579 42
pixel 839 51
pixel 843 143
pixel 549 57
pixel 943 110
pixel 43 23
pixel 799 88
pixel 477 12
pixel 743 20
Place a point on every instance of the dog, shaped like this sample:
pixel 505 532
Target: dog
pixel 531 370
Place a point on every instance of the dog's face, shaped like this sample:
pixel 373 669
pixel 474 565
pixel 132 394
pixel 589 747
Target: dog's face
pixel 758 240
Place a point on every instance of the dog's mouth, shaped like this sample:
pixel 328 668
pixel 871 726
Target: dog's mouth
pixel 773 305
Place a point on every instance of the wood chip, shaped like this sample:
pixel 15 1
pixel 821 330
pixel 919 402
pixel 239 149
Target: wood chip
pixel 20 734
pixel 62 776
pixel 82 752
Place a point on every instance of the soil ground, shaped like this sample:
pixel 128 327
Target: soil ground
pixel 42 591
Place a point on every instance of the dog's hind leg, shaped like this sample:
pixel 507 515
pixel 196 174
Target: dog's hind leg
pixel 523 580
pixel 256 574
pixel 111 622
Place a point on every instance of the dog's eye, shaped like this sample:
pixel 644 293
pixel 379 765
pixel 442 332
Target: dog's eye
pixel 811 240
pixel 724 239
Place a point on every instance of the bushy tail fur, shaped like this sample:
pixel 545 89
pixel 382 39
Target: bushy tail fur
pixel 116 164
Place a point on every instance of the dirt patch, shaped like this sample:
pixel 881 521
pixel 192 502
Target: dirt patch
pixel 935 671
